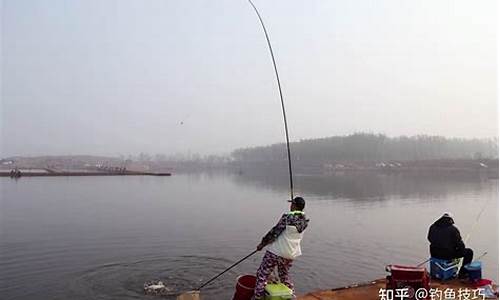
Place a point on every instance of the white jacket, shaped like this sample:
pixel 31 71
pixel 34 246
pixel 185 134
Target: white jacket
pixel 287 244
pixel 284 238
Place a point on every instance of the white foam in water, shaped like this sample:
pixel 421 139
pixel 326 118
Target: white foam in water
pixel 156 287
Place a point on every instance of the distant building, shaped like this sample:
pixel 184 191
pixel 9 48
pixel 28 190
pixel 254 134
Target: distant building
pixel 7 162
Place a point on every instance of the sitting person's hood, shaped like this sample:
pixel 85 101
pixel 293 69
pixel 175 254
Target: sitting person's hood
pixel 444 222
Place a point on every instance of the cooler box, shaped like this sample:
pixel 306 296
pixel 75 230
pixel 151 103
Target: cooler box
pixel 444 269
pixel 413 278
pixel 474 270
pixel 278 291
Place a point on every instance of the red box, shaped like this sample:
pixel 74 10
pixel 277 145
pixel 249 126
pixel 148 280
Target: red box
pixel 413 278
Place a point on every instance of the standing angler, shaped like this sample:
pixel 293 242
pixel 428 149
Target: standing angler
pixel 284 246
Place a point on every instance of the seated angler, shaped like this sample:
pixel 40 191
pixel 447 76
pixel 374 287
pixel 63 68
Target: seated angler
pixel 446 242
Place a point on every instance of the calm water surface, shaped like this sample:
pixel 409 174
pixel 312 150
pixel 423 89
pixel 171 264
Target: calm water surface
pixel 103 237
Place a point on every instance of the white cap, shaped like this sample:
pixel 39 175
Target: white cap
pixel 448 215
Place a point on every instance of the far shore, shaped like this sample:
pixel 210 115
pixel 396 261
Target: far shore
pixel 102 166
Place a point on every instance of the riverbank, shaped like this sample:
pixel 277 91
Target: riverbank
pixel 471 167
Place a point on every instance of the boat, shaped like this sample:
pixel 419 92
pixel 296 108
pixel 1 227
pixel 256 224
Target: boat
pixel 46 173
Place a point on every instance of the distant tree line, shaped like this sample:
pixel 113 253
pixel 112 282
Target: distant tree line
pixel 372 147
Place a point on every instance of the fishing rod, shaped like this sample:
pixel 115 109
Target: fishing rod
pixel 194 294
pixel 286 134
pixel 281 97
pixel 460 263
pixel 229 268
pixel 477 220
pixel 478 258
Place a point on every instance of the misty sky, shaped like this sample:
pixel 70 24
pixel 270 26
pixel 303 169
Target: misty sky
pixel 123 77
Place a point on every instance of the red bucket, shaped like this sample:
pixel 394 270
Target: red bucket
pixel 245 285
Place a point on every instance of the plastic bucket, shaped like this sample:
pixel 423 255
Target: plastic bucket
pixel 474 270
pixel 245 284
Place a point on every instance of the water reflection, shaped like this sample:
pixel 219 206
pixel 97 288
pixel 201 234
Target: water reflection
pixel 82 238
pixel 366 185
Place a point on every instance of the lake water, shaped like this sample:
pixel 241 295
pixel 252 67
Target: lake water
pixel 103 237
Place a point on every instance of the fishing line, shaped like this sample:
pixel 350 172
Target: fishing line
pixel 281 97
pixel 477 220
pixel 472 230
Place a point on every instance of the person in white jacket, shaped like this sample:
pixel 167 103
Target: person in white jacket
pixel 284 246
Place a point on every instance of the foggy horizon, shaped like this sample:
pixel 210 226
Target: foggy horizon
pixel 111 78
pixel 188 153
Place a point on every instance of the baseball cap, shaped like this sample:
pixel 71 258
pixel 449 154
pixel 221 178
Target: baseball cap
pixel 299 201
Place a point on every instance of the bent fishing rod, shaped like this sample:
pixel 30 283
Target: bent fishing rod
pixel 476 222
pixel 195 293
pixel 286 134
pixel 281 97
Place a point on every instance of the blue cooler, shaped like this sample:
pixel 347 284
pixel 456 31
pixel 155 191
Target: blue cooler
pixel 443 269
pixel 474 270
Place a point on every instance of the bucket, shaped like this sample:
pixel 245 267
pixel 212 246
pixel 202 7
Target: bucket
pixel 474 271
pixel 245 284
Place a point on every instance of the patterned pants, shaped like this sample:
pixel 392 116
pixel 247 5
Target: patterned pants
pixel 269 262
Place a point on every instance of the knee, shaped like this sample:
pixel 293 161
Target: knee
pixel 469 252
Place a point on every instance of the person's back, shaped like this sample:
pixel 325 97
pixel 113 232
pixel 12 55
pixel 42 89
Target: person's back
pixel 287 244
pixel 445 238
pixel 446 242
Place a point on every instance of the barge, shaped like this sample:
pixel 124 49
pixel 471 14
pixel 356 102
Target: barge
pixel 43 173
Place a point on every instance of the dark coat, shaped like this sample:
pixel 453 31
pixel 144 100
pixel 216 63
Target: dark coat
pixel 446 242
